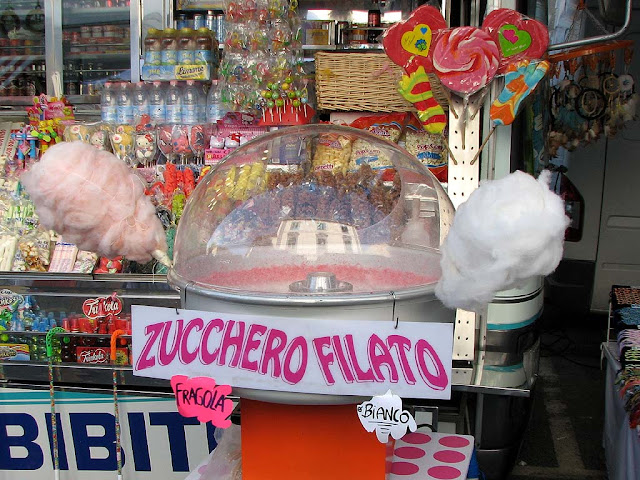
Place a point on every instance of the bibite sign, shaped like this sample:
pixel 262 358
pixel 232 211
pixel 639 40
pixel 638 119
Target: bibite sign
pixel 332 356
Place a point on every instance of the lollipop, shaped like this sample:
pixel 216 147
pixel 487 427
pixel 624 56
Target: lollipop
pixel 197 141
pixel 465 59
pixel 165 143
pixel 520 80
pixel 408 44
pixel 180 141
pixel 519 37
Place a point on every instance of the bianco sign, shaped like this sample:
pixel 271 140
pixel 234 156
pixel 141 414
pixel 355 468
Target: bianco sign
pixel 337 357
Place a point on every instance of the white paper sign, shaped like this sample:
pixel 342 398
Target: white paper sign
pixel 384 414
pixel 337 357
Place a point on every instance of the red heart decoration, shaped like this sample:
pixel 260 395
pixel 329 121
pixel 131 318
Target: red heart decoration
pixel 504 16
pixel 425 15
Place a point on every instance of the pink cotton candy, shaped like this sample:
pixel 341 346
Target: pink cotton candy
pixel 94 200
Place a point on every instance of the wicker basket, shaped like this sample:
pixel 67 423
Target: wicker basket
pixel 365 82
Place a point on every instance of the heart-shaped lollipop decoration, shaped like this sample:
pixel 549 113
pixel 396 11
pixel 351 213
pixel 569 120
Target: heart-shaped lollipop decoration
pixel 519 37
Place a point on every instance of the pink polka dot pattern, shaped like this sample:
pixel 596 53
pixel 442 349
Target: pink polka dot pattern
pixel 409 452
pixel 453 442
pixel 404 468
pixel 416 438
pixel 444 472
pixel 449 456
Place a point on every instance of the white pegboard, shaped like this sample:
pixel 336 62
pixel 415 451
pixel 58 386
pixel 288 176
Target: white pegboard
pixel 464 177
pixel 464 141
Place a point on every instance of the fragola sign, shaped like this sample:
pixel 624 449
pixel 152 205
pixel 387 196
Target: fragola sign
pixel 102 307
pixel 334 356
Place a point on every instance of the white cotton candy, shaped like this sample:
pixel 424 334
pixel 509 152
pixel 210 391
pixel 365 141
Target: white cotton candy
pixel 507 231
pixel 94 200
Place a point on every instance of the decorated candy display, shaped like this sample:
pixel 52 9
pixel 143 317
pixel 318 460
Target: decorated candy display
pixel 520 80
pixel 517 36
pixel 261 70
pixel 465 59
pixel 409 44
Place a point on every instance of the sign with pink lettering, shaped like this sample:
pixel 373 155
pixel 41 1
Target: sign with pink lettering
pixel 202 398
pixel 328 356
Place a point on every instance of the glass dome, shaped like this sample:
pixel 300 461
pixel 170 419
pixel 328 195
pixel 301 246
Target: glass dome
pixel 313 210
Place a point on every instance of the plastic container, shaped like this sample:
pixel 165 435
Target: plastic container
pixel 203 47
pixel 153 47
pixel 186 46
pixel 173 103
pixel 191 104
pixel 124 105
pixel 215 108
pixel 140 101
pixel 108 103
pixel 157 108
pixel 169 47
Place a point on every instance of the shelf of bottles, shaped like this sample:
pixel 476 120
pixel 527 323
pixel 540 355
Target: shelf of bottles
pixel 22 59
pixel 96 44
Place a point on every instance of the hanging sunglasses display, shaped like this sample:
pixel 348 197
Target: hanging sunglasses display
pixel 591 94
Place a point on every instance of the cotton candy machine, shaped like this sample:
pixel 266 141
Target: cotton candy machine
pixel 317 221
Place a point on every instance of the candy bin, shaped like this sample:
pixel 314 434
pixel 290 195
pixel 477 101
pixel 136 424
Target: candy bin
pixel 289 226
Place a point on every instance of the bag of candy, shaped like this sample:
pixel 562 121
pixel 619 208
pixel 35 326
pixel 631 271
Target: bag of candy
pixel 332 153
pixel 386 126
pixel 427 147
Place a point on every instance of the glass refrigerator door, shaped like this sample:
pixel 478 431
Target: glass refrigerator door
pixel 22 50
pixel 100 40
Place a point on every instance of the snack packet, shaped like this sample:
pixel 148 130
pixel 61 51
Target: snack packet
pixel 332 153
pixel 427 147
pixel 386 126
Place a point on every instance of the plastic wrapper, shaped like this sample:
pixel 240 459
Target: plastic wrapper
pixel 35 249
pixel 145 148
pixel 428 148
pixel 465 59
pixel 225 462
pixel 518 37
pixel 85 262
pixel 122 142
pixel 77 132
pixel 332 153
pixel 100 138
pixel 64 257
pixel 388 127
pixel 8 245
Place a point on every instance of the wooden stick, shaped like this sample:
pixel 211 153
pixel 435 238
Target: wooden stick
pixel 446 145
pixel 484 142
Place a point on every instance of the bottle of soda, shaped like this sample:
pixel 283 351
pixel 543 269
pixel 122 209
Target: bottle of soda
pixel 169 47
pixel 173 103
pixel 186 47
pixel 204 46
pixel 153 47
pixel 108 103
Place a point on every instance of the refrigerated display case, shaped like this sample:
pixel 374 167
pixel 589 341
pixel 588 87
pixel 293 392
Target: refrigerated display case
pixel 22 48
pixel 96 44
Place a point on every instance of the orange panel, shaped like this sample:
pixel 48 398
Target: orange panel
pixel 308 442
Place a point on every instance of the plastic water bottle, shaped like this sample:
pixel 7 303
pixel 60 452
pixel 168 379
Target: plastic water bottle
pixel 191 99
pixel 215 108
pixel 140 101
pixel 157 110
pixel 108 103
pixel 124 106
pixel 173 103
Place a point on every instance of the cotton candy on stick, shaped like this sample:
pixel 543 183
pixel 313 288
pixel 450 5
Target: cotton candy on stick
pixel 408 44
pixel 506 232
pixel 96 201
pixel 520 80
